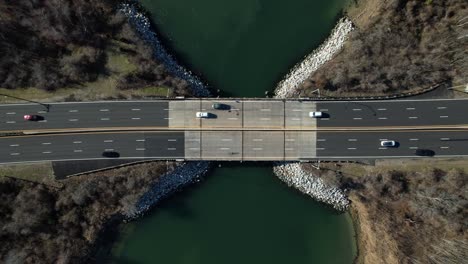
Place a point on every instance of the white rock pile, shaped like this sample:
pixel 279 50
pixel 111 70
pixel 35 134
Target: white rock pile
pixel 293 175
pixel 313 61
pixel 143 26
pixel 184 174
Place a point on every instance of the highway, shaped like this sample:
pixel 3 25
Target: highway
pixel 252 130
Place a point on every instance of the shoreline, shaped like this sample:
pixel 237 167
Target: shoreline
pixel 187 172
pixel 169 183
pixel 286 88
pixel 141 23
pixel 294 176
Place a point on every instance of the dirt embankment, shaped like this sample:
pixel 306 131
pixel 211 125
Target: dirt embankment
pixel 398 46
pixel 406 212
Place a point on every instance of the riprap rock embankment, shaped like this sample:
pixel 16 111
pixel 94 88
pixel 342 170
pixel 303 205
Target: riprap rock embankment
pixel 143 26
pixel 184 174
pixel 299 73
pixel 293 175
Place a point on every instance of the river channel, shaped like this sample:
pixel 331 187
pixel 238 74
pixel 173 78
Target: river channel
pixel 240 213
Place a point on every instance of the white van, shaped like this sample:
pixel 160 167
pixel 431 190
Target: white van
pixel 202 114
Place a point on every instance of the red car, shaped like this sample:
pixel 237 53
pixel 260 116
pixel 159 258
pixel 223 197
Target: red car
pixel 31 117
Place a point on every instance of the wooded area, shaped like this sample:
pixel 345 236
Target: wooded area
pixel 59 43
pixel 406 216
pixel 410 44
pixel 42 224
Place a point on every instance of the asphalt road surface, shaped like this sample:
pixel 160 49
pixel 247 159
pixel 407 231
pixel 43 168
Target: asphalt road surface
pixel 85 115
pixel 393 113
pixel 158 145
pixel 254 120
pixel 367 144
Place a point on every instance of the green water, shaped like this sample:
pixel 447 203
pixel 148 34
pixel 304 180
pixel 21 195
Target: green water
pixel 243 47
pixel 243 213
pixel 240 214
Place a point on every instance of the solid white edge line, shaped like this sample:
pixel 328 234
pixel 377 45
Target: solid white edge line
pixel 183 157
pixel 163 101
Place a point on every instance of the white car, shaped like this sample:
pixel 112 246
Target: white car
pixel 202 114
pixel 388 143
pixel 315 114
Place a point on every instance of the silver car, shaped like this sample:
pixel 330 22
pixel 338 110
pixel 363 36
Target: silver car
pixel 388 143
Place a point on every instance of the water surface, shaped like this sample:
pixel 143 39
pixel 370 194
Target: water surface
pixel 239 214
pixel 243 47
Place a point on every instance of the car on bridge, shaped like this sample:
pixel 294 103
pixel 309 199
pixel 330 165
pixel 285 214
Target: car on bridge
pixel 32 117
pixel 424 152
pixel 219 106
pixel 388 143
pixel 202 114
pixel 316 114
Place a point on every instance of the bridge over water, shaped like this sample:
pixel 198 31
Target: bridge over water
pixel 251 130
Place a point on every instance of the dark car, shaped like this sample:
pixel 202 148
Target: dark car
pixel 110 154
pixel 219 106
pixel 425 152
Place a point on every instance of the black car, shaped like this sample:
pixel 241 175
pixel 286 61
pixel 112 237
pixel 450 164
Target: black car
pixel 219 106
pixel 110 154
pixel 425 152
